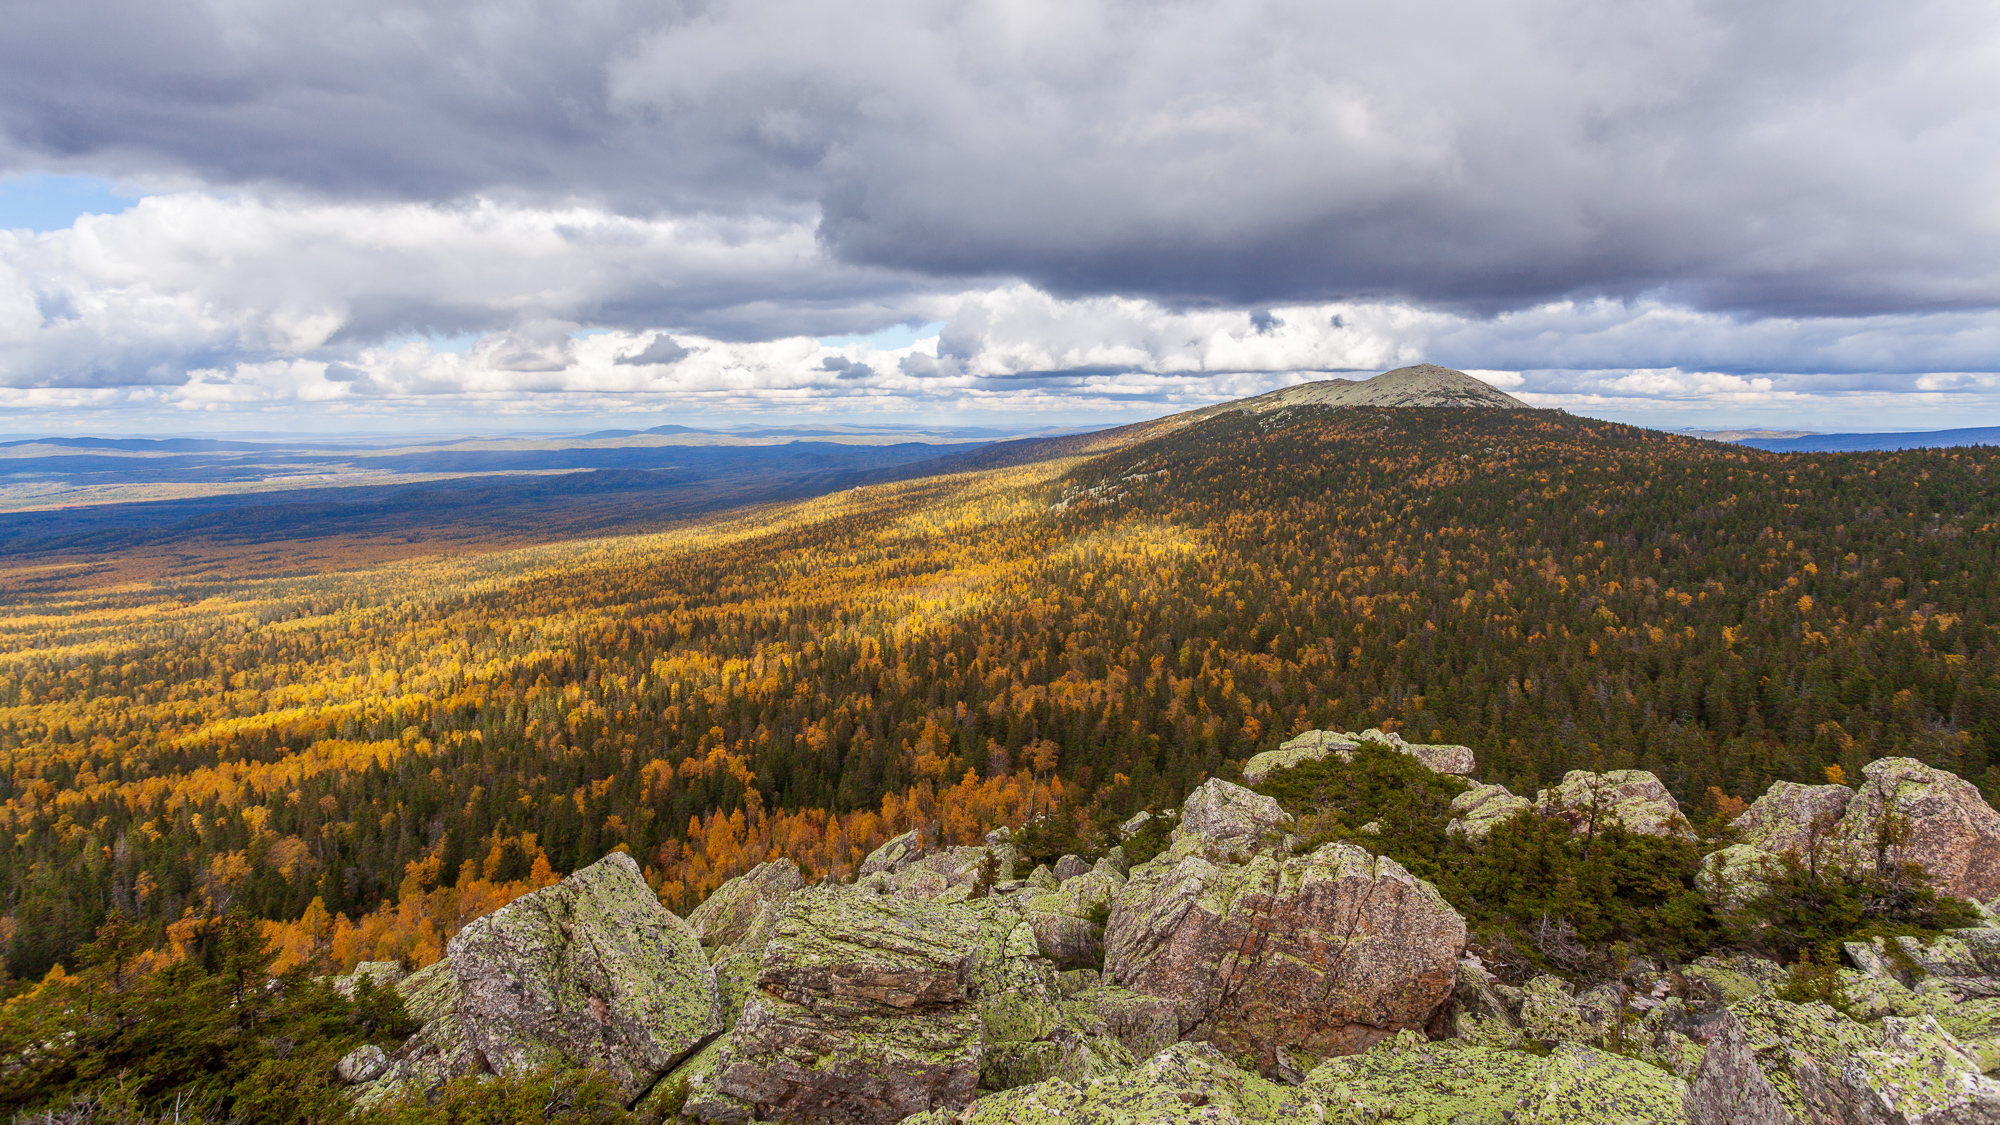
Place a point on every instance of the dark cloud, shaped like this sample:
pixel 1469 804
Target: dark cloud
pixel 847 368
pixel 662 350
pixel 1770 158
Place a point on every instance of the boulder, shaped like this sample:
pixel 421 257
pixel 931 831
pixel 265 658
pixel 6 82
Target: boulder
pixel 1476 1010
pixel 1729 977
pixel 591 972
pixel 1068 921
pixel 1921 1075
pixel 865 1011
pixel 1144 1025
pixel 438 1052
pixel 1186 1084
pixel 1792 818
pixel 363 1064
pixel 744 909
pixel 1774 1063
pixel 1482 808
pixel 1069 867
pixel 1733 877
pixel 1907 812
pixel 892 855
pixel 1633 798
pixel 1314 745
pixel 1551 1014
pixel 1231 819
pixel 1448 1082
pixel 379 974
pixel 1299 956
pixel 1965 961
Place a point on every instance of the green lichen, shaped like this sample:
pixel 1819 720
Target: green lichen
pixel 1187 1084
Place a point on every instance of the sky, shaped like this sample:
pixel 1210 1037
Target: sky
pixel 222 217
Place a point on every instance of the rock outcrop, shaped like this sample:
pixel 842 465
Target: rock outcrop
pixel 865 1011
pixel 1733 877
pixel 1411 1079
pixel 1230 819
pixel 1907 812
pixel 1186 1084
pixel 590 972
pixel 1314 745
pixel 1283 959
pixel 1793 818
pixel 1774 1063
pixel 379 974
pixel 1069 920
pixel 1632 798
pixel 744 911
pixel 1483 808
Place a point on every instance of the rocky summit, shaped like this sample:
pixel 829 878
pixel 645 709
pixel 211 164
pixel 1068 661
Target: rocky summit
pixel 1239 975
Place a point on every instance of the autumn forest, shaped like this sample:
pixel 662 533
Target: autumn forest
pixel 364 759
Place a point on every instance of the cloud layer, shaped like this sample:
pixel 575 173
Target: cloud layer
pixel 1114 206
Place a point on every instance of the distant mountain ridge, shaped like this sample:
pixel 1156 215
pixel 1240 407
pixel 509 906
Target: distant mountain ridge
pixel 1855 443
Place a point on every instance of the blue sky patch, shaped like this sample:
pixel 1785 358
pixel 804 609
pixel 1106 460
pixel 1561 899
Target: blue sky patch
pixel 43 202
pixel 888 339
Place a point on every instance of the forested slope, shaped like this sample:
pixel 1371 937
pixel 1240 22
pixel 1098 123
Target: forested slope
pixel 408 744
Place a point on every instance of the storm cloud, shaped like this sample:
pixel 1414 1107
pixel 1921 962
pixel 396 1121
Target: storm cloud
pixel 1722 190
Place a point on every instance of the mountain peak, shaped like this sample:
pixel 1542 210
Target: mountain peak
pixel 1425 384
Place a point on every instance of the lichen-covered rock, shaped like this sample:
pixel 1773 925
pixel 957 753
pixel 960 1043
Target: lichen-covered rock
pixel 440 1049
pixel 363 1064
pixel 787 1062
pixel 1231 819
pixel 1733 877
pixel 1967 961
pixel 1920 1075
pixel 1186 1084
pixel 591 972
pixel 1314 745
pixel 1729 977
pixel 1476 1010
pixel 1068 921
pixel 379 974
pixel 1299 956
pixel 1431 1083
pixel 1551 1014
pixel 1907 812
pixel 1309 746
pixel 1581 1086
pixel 1411 1081
pixel 1482 808
pixel 1633 798
pixel 746 908
pixel 892 854
pixel 1792 818
pixel 1144 1025
pixel 865 1011
pixel 1773 1063
pixel 1069 867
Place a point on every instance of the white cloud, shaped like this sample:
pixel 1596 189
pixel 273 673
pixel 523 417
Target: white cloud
pixel 199 303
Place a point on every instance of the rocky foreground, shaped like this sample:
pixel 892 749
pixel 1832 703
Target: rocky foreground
pixel 1234 977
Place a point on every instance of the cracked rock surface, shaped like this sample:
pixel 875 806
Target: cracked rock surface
pixel 590 972
pixel 1282 961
